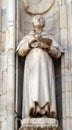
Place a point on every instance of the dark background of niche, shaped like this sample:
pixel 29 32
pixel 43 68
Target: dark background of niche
pixel 58 88
pixel 20 88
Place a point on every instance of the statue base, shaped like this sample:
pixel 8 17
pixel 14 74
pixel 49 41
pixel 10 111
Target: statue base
pixel 39 123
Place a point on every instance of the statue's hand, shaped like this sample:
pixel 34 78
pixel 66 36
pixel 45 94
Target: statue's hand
pixel 55 52
pixel 46 40
pixel 23 47
pixel 39 44
pixel 34 45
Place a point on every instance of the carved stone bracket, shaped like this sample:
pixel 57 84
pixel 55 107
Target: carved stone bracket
pixel 37 6
pixel 39 123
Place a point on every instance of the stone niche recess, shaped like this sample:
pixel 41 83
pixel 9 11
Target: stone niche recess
pixel 25 26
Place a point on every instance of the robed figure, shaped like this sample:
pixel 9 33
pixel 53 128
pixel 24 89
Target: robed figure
pixel 39 80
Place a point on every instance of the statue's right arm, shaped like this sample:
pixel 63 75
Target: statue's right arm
pixel 23 46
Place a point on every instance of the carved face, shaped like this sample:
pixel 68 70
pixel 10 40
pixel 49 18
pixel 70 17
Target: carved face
pixel 38 21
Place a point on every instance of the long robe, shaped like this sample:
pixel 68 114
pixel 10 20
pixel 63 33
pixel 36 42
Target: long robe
pixel 39 82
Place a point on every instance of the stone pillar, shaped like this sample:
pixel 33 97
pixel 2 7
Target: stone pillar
pixel 11 64
pixel 3 65
pixel 66 62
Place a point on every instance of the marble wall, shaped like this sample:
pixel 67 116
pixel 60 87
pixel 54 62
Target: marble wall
pixel 7 64
pixel 14 24
pixel 3 65
pixel 66 62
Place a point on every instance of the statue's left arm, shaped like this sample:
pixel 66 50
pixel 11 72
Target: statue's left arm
pixel 55 49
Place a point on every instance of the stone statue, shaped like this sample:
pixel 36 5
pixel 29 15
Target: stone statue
pixel 39 79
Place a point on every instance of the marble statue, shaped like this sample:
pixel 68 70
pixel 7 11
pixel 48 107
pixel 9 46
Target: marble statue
pixel 39 47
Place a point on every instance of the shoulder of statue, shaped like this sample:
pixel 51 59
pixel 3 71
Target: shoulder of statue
pixel 51 37
pixel 28 36
pixel 46 34
pixel 31 33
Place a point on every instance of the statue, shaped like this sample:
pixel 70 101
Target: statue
pixel 39 80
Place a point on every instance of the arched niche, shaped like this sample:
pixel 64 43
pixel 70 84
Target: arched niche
pixel 23 23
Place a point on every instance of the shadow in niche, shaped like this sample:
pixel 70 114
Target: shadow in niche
pixel 58 88
pixel 20 87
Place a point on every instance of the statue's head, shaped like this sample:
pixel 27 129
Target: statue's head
pixel 38 21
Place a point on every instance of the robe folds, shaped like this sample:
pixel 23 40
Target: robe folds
pixel 39 82
pixel 39 79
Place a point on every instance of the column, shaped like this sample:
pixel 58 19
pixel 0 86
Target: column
pixel 11 65
pixel 66 62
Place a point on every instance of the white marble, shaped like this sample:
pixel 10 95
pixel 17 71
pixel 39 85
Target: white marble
pixel 59 23
pixel 39 123
pixel 39 78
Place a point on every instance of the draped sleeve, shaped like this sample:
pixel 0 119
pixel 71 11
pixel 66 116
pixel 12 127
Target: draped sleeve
pixel 55 49
pixel 23 47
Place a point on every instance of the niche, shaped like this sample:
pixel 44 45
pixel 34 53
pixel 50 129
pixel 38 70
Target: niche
pixel 24 26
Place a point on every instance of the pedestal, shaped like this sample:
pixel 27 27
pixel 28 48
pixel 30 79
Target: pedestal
pixel 39 124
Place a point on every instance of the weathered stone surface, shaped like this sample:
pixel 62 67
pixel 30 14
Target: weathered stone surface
pixel 4 81
pixel 59 23
pixel 3 105
pixel 1 89
pixel 42 123
pixel 4 125
pixel 4 61
pixel 36 7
